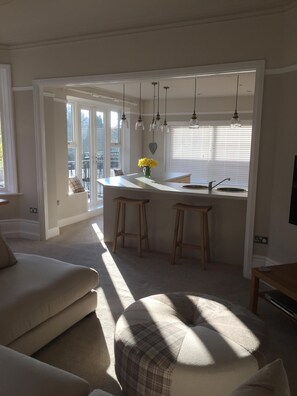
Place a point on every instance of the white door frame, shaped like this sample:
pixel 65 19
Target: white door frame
pixel 257 66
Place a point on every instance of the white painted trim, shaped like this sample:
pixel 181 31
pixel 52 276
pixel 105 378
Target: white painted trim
pixel 153 28
pixel 20 89
pixel 281 70
pixel 255 148
pixel 251 66
pixel 263 261
pixel 59 100
pixel 41 174
pixel 20 228
pixel 52 232
pixel 83 216
pixel 225 68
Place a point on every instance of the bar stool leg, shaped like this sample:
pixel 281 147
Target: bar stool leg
pixel 139 230
pixel 145 226
pixel 207 239
pixel 202 239
pixel 175 236
pixel 123 228
pixel 116 227
pixel 181 233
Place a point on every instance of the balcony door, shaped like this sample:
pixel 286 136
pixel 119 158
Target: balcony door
pixel 94 149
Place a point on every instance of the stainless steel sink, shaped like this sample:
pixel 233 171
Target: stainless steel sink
pixel 195 186
pixel 231 189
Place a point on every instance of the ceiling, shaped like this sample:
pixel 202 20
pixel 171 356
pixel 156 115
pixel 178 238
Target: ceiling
pixel 179 88
pixel 25 22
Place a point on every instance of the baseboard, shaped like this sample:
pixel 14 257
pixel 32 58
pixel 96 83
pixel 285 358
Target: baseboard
pixel 29 229
pixel 20 228
pixel 80 217
pixel 263 261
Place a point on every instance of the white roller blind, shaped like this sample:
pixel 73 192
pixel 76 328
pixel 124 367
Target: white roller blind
pixel 210 152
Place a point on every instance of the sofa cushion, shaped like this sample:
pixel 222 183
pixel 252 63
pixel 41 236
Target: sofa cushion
pixel 271 380
pixel 7 258
pixel 36 289
pixel 21 375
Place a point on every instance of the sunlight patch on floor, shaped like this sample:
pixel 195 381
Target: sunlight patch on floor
pixel 121 293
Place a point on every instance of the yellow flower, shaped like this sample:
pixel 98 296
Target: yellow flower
pixel 147 162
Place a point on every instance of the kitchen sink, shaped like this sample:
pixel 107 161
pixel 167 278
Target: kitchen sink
pixel 195 186
pixel 231 189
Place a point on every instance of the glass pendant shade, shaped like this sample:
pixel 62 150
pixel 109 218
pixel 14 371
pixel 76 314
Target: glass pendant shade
pixel 124 122
pixel 235 121
pixel 158 118
pixel 165 127
pixel 153 123
pixel 194 119
pixel 139 126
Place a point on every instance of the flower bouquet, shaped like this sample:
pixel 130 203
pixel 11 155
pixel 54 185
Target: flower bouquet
pixel 146 164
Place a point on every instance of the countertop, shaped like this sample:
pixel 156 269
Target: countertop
pixel 161 184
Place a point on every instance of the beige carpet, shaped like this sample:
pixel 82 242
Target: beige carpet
pixel 87 348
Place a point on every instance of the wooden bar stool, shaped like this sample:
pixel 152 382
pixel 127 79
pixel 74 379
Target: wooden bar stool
pixel 142 228
pixel 179 229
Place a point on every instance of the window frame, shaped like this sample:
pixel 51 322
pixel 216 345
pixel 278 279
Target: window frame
pixel 8 132
pixel 213 146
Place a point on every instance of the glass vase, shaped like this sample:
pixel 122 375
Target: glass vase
pixel 147 171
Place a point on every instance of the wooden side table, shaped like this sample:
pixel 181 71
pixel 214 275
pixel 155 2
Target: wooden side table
pixel 280 277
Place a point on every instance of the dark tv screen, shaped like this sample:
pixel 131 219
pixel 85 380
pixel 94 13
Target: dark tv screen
pixel 293 206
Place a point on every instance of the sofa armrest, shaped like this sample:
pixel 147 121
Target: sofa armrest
pixel 22 375
pixel 99 392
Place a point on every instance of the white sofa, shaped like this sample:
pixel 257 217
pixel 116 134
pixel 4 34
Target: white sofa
pixel 40 298
pixel 22 375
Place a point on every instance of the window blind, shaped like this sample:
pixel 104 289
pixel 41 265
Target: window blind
pixel 211 152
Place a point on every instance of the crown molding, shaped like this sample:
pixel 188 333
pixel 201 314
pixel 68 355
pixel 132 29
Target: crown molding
pixel 166 26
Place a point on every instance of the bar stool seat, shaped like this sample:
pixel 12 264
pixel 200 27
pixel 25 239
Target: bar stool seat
pixel 178 242
pixel 120 223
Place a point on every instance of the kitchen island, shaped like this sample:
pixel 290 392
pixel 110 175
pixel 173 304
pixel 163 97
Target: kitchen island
pixel 226 219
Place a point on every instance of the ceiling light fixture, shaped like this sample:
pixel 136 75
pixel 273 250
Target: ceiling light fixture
pixel 158 118
pixel 235 122
pixel 124 122
pixel 139 126
pixel 194 119
pixel 153 123
pixel 165 127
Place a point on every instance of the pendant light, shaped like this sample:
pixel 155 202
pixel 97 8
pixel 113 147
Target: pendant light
pixel 194 120
pixel 165 127
pixel 158 118
pixel 153 123
pixel 124 122
pixel 235 122
pixel 139 126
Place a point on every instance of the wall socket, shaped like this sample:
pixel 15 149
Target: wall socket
pixel 261 239
pixel 33 210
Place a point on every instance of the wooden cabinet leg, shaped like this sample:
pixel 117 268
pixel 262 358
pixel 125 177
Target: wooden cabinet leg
pixel 254 293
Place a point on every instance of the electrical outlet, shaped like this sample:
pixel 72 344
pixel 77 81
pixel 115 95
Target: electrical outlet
pixel 261 239
pixel 33 210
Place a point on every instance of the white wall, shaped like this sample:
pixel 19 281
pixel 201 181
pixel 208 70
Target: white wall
pixel 271 38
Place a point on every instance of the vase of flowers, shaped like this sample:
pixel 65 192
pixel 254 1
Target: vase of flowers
pixel 147 164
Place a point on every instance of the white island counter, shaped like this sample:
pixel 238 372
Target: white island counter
pixel 226 220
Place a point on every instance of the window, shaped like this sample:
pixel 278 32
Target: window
pixel 94 144
pixel 8 179
pixel 71 141
pixel 211 152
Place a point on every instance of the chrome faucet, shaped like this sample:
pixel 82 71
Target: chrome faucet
pixel 211 186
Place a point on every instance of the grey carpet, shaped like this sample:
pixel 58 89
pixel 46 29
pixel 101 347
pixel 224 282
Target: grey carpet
pixel 87 348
